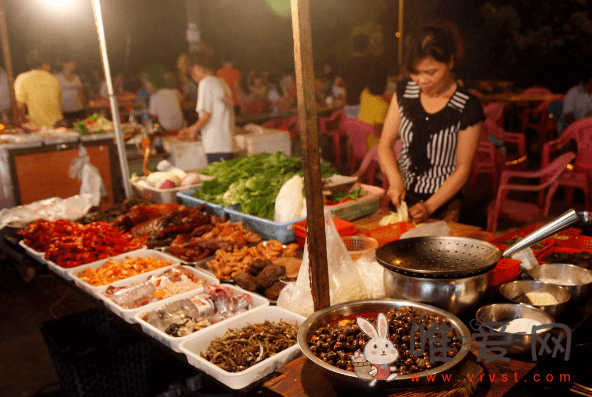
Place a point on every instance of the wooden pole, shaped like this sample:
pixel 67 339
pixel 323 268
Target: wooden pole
pixel 400 41
pixel 307 113
pixel 8 63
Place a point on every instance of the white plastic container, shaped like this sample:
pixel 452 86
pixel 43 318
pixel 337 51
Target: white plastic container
pixel 174 342
pixel 141 253
pixel 264 140
pixel 161 196
pixel 129 314
pixel 38 256
pixel 194 346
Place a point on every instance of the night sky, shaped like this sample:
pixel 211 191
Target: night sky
pixel 258 33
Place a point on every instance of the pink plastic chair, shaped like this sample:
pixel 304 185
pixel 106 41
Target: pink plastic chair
pixel 536 91
pixel 332 126
pixel 521 211
pixel 580 176
pixel 371 161
pixel 357 132
pixel 490 160
pixel 538 119
pixel 495 111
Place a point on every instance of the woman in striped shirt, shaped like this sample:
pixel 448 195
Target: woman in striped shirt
pixel 439 124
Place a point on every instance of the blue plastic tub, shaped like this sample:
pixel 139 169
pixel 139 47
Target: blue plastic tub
pixel 268 230
pixel 187 198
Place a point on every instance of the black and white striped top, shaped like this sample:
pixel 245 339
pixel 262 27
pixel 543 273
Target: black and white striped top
pixel 428 155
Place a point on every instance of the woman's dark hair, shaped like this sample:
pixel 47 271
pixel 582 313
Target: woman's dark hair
pixel 439 40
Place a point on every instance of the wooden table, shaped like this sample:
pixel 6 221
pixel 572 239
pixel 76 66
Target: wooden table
pixel 508 97
pixel 302 378
pixel 322 110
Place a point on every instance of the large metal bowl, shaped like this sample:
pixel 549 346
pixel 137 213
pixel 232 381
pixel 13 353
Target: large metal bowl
pixel 513 343
pixel 348 380
pixel 576 280
pixel 456 296
pixel 517 291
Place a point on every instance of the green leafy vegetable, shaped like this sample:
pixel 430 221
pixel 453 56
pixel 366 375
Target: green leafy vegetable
pixel 337 197
pixel 253 181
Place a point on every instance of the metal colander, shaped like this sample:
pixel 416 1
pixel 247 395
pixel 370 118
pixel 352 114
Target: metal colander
pixel 459 257
pixel 439 257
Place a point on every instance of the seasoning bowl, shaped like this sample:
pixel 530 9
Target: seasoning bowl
pixel 576 280
pixel 347 380
pixel 526 291
pixel 491 317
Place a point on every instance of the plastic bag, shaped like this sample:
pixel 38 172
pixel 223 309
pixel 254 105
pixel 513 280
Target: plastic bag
pixel 92 183
pixel 345 281
pixel 52 209
pixel 372 275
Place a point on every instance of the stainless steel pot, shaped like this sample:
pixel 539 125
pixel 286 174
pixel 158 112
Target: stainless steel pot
pixel 451 272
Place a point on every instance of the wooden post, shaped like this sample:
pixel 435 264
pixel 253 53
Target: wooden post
pixel 8 63
pixel 400 41
pixel 307 113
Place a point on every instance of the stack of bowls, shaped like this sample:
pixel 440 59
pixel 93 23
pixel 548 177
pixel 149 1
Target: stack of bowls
pixel 576 280
pixel 525 291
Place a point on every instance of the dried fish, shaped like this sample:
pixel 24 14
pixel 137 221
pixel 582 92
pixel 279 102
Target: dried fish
pixel 239 349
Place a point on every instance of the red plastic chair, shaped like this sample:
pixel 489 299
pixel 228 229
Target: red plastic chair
pixel 495 111
pixel 536 91
pixel 521 211
pixel 490 160
pixel 580 176
pixel 357 132
pixel 538 119
pixel 279 124
pixel 332 126
pixel 370 162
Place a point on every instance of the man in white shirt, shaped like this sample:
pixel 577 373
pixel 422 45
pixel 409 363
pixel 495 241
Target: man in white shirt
pixel 164 103
pixel 216 113
pixel 577 103
pixel 73 100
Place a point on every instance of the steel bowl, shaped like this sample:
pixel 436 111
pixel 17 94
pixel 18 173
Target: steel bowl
pixel 348 380
pixel 516 292
pixel 503 313
pixel 576 280
pixel 456 296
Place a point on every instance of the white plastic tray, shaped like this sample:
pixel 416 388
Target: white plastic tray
pixel 141 253
pixel 174 342
pixel 129 314
pixel 38 256
pixel 192 347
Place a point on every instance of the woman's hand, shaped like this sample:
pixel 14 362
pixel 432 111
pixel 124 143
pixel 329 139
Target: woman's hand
pixel 396 192
pixel 419 212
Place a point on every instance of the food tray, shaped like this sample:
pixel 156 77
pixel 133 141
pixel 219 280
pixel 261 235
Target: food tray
pixel 66 272
pixel 239 380
pixel 269 230
pixel 388 233
pixel 583 243
pixel 553 250
pixel 129 314
pixel 174 342
pixel 344 228
pixel 39 256
pixel 499 242
pixel 160 196
pixel 187 198
pixel 141 253
pixel 359 208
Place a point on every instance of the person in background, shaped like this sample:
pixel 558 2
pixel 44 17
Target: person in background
pixel 258 88
pixel 577 103
pixel 232 77
pixel 73 97
pixel 439 124
pixel 373 106
pixel 143 95
pixel 38 92
pixel 216 112
pixel 4 97
pixel 165 103
pixel 118 82
pixel 355 72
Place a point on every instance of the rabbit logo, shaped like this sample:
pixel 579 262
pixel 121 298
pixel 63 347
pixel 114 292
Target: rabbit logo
pixel 379 352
